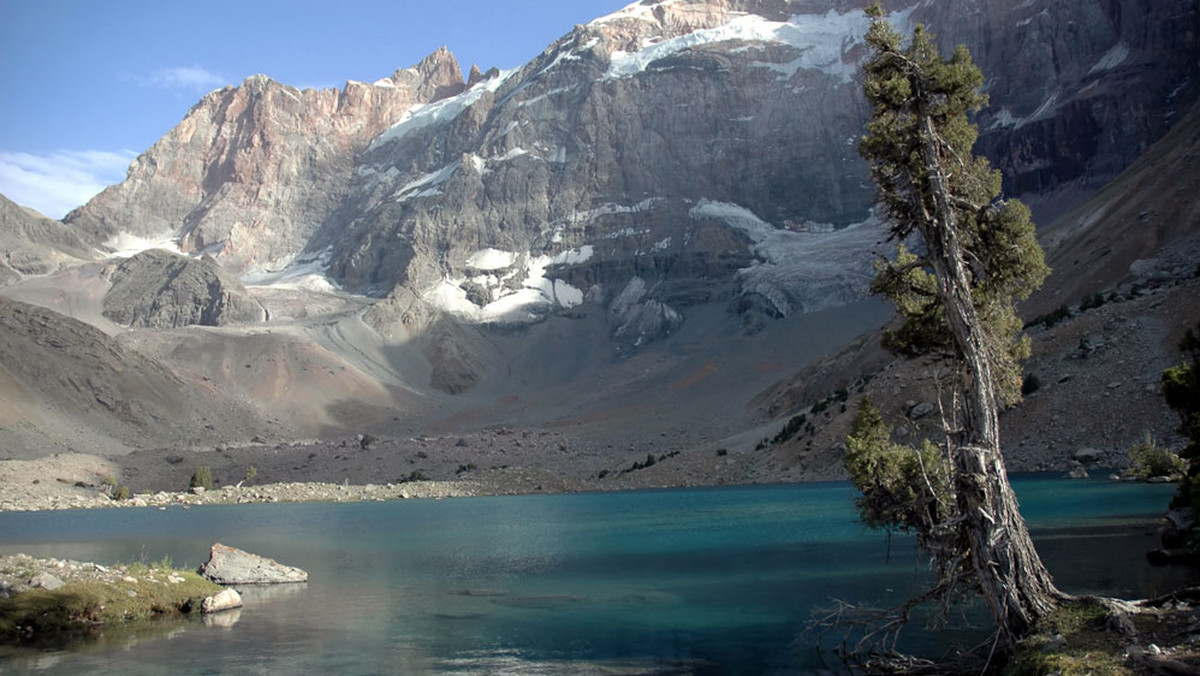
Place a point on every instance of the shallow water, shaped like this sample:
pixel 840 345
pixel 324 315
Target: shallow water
pixel 681 581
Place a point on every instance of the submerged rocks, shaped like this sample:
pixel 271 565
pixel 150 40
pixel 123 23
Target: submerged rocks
pixel 230 565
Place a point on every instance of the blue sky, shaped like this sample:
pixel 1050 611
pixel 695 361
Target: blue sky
pixel 89 84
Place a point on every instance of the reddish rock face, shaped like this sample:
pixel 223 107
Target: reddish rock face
pixel 252 170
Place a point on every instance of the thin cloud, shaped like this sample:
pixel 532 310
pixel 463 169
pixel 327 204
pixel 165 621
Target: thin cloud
pixel 194 78
pixel 57 182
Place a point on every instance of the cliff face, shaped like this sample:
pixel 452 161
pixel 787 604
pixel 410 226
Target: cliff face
pixel 675 153
pixel 670 154
pixel 252 170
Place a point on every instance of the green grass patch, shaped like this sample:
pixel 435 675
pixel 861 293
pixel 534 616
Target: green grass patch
pixel 1086 645
pixel 79 605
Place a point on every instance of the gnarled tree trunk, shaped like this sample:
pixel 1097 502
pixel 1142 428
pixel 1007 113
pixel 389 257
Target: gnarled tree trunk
pixel 1016 585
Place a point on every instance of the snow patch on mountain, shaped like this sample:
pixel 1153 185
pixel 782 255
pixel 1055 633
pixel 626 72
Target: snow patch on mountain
pixel 125 245
pixel 516 287
pixel 822 40
pixel 305 273
pixel 438 112
pixel 1112 58
pixel 801 271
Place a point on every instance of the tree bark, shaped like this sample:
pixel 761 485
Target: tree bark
pixel 1017 587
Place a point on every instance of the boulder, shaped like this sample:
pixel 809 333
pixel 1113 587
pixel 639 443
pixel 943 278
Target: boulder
pixel 230 565
pixel 1088 455
pixel 226 599
pixel 45 581
pixel 921 410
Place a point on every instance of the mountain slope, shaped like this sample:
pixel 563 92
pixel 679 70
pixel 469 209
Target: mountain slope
pixel 252 170
pixel 1142 227
pixel 627 238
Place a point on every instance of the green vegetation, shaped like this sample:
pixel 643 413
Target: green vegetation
pixel 122 493
pixel 415 475
pixel 1050 318
pixel 1181 389
pixel 902 487
pixel 251 472
pixel 80 605
pixel 1073 640
pixel 1091 302
pixel 202 478
pixel 1030 384
pixel 956 296
pixel 1149 459
pixel 793 426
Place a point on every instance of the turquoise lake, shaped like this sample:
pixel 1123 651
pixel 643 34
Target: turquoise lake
pixel 688 581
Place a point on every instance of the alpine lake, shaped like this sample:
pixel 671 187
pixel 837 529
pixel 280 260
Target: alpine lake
pixel 681 581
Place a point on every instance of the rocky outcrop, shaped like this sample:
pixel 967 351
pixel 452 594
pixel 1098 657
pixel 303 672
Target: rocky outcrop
pixel 32 244
pixel 159 289
pixel 253 169
pixel 230 565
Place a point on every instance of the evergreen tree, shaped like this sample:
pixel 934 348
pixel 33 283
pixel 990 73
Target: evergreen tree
pixel 1181 388
pixel 971 257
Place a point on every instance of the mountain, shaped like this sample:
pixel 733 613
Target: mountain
pixel 252 169
pixel 638 237
pixel 33 244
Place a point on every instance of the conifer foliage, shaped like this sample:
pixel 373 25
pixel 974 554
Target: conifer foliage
pixel 965 258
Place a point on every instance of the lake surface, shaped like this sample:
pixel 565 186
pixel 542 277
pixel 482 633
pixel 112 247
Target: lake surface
pixel 697 581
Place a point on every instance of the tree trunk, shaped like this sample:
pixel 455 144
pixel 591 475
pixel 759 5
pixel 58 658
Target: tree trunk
pixel 1016 585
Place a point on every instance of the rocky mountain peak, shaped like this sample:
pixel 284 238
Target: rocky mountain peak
pixel 252 170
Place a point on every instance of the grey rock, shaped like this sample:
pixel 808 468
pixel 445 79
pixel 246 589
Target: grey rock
pixel 230 565
pixel 921 410
pixel 159 289
pixel 226 599
pixel 1076 473
pixel 1088 455
pixel 46 581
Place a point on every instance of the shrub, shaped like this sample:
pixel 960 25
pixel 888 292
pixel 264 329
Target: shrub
pixel 251 472
pixel 1093 301
pixel 903 488
pixel 1150 459
pixel 1030 384
pixel 122 493
pixel 794 425
pixel 415 475
pixel 1050 318
pixel 202 478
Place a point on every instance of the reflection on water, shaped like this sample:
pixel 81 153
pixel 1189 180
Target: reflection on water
pixel 672 582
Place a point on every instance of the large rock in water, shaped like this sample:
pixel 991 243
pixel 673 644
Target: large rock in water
pixel 159 289
pixel 230 565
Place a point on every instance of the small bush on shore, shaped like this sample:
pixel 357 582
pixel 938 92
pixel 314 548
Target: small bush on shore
pixel 1149 459
pixel 202 478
